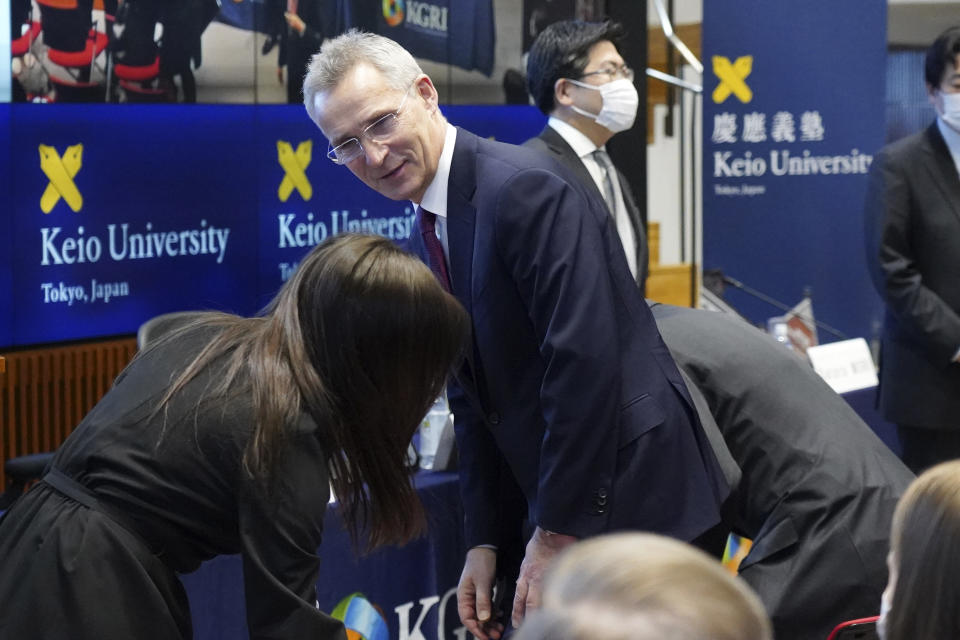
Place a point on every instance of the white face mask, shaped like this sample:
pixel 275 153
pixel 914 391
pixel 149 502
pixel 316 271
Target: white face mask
pixel 951 110
pixel 620 102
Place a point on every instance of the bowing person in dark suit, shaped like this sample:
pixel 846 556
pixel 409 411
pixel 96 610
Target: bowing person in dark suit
pixel 568 385
pixel 912 218
pixel 818 488
pixel 577 77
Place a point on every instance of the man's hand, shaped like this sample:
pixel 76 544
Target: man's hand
pixel 296 22
pixel 541 549
pixel 474 594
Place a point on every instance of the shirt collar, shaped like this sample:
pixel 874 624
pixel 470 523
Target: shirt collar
pixel 952 138
pixel 580 143
pixel 435 197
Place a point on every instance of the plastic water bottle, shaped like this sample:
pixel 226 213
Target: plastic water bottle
pixel 430 430
pixel 779 330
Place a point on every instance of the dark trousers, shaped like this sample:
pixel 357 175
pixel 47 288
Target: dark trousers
pixel 923 448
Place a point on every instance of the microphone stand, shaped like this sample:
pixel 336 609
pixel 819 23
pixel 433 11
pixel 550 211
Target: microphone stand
pixel 736 284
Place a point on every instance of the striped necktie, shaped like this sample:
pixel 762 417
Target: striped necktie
pixel 609 195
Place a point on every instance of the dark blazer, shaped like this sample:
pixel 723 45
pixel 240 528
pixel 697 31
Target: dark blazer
pixel 553 143
pixel 818 488
pixel 912 219
pixel 296 49
pixel 568 381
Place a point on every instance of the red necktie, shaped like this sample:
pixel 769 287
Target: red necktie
pixel 435 259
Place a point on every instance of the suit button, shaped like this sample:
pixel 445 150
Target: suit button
pixel 601 492
pixel 494 418
pixel 601 501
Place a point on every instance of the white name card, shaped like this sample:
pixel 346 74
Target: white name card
pixel 846 365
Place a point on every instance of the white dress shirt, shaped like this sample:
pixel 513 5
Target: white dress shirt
pixel 584 148
pixel 435 197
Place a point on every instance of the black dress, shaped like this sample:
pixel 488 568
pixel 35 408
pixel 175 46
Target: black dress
pixel 167 494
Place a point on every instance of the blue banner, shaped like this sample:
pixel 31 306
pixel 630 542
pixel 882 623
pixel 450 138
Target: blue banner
pixel 124 212
pixel 6 231
pixel 304 197
pixel 793 111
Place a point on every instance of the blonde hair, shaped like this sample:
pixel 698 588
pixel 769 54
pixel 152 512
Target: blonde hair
pixel 351 48
pixel 642 586
pixel 923 538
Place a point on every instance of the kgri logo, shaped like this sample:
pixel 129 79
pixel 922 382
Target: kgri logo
pixel 393 11
pixel 732 78
pixel 61 172
pixel 294 164
pixel 362 619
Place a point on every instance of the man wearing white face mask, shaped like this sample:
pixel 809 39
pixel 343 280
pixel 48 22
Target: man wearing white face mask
pixel 578 78
pixel 913 250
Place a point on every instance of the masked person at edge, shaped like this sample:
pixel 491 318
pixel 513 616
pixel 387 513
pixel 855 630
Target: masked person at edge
pixel 912 218
pixel 576 76
pixel 224 437
pixel 567 388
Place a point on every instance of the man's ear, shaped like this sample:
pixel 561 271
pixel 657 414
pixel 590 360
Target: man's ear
pixel 932 95
pixel 561 92
pixel 423 85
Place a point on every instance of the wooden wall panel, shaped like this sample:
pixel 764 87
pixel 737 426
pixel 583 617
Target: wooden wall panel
pixel 46 392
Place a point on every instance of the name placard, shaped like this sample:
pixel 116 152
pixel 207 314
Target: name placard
pixel 845 366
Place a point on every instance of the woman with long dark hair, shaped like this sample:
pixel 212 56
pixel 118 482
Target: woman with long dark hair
pixel 225 437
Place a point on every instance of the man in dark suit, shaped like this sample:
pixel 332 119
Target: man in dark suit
pixel 912 219
pixel 577 77
pixel 818 488
pixel 298 41
pixel 567 385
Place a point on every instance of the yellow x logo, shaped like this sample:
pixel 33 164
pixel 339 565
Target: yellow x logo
pixel 294 164
pixel 61 171
pixel 731 78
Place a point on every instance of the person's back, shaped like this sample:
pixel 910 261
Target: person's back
pixel 225 437
pixel 818 486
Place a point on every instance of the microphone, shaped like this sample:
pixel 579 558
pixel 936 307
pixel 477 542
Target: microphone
pixel 733 282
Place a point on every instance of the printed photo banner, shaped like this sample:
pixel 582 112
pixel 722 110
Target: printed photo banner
pixel 793 113
pixel 75 53
pixel 121 213
pixel 458 32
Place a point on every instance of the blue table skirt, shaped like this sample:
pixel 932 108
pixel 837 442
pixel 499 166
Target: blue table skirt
pixel 400 582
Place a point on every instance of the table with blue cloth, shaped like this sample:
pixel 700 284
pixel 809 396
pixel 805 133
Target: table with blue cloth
pixel 403 589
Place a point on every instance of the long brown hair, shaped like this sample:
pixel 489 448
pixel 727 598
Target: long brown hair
pixel 926 553
pixel 361 338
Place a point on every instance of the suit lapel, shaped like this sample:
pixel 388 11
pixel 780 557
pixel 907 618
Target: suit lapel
pixel 461 227
pixel 940 164
pixel 462 216
pixel 569 157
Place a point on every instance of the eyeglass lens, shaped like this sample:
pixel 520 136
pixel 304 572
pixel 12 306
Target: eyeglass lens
pixel 377 131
